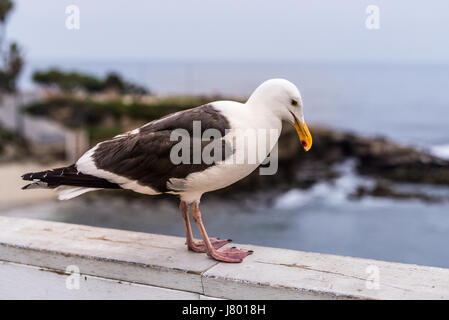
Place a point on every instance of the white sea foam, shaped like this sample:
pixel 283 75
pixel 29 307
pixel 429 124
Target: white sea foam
pixel 330 193
pixel 441 151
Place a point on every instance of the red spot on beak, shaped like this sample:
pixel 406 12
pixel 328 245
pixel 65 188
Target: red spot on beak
pixel 304 143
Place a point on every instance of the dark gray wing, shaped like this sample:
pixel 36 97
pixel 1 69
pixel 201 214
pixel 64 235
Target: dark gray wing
pixel 145 156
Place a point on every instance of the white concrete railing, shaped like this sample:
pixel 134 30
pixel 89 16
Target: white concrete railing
pixel 36 258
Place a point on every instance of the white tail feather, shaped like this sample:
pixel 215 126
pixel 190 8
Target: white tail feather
pixel 69 192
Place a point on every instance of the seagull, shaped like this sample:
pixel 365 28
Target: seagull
pixel 147 160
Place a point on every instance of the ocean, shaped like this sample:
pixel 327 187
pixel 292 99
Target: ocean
pixel 408 104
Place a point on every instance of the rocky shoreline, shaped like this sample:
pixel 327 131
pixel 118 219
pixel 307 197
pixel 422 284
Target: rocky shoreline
pixel 380 158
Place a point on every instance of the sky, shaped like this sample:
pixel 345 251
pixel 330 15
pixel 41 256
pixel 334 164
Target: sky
pixel 411 31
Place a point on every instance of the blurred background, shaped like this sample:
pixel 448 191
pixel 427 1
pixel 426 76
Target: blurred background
pixel 375 89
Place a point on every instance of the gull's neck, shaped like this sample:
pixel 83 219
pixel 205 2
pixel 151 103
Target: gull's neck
pixel 262 115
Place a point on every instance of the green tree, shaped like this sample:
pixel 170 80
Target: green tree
pixel 12 66
pixel 11 63
pixel 67 81
pixel 70 81
pixel 5 7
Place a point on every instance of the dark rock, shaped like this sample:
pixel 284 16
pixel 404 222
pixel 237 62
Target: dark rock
pixel 384 189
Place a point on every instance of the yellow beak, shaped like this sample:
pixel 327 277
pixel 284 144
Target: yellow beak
pixel 304 134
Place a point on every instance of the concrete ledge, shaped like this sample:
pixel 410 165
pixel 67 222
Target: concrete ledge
pixel 34 256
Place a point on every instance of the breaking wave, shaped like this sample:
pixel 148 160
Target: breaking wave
pixel 331 193
pixel 441 151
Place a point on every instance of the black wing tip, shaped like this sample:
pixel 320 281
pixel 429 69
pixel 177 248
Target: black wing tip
pixel 28 176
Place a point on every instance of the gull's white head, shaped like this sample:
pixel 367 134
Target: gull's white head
pixel 283 99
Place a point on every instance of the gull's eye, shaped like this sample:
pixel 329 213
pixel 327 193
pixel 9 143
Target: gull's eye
pixel 294 102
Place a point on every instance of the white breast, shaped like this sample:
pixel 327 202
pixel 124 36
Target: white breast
pixel 246 124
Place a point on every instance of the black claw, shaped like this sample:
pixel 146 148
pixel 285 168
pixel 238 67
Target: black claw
pixel 251 251
pixel 234 247
pixel 230 240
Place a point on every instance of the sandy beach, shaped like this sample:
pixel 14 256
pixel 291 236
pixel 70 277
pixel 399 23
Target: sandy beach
pixel 10 187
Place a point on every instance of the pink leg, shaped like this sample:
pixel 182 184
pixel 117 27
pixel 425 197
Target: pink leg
pixel 226 255
pixel 198 246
